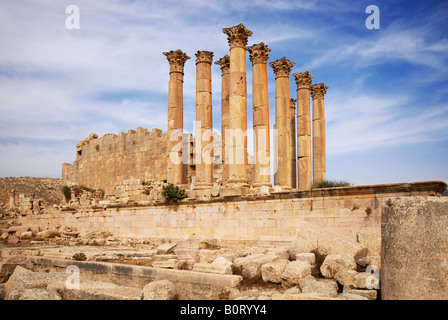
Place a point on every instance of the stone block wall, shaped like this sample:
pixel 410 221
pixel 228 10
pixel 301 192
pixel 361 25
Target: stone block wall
pixel 352 212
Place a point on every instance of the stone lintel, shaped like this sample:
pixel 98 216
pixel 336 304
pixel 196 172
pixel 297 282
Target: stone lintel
pixel 303 79
pixel 237 35
pixel 176 59
pixel 258 53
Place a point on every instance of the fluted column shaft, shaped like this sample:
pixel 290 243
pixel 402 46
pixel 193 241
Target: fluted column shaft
pixel 282 68
pixel 258 55
pixel 319 148
pixel 204 120
pixel 292 126
pixel 224 62
pixel 304 160
pixel 237 140
pixel 176 60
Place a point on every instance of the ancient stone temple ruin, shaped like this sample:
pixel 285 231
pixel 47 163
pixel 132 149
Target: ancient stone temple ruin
pixel 260 217
pixel 207 160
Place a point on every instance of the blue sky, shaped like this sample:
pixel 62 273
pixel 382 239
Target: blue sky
pixel 386 106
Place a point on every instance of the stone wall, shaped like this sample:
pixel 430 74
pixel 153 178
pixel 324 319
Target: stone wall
pixel 353 212
pixel 105 162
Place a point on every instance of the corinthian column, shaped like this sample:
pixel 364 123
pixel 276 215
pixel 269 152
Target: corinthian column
pixel 292 126
pixel 177 61
pixel 204 121
pixel 282 68
pixel 259 55
pixel 304 164
pixel 224 62
pixel 319 156
pixel 237 139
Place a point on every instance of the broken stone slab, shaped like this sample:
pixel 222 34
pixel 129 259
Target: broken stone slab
pixel 370 261
pixel 166 248
pixel 325 287
pixel 94 290
pixel 17 230
pixel 168 264
pixel 207 255
pixel 308 257
pixel 159 290
pixel 10 263
pixel 259 258
pixel 323 242
pixel 222 261
pixel 345 277
pixel 368 294
pixel 351 296
pixel 47 234
pixel 273 271
pixel 282 253
pixel 210 244
pixel 212 268
pixel 34 294
pixel 26 235
pixel 335 263
pixel 295 271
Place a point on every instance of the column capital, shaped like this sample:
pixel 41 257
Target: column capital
pixel 292 103
pixel 303 79
pixel 258 53
pixel 204 56
pixel 237 36
pixel 282 67
pixel 176 59
pixel 318 90
pixel 224 62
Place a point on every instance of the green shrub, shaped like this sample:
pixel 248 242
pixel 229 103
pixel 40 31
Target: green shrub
pixel 67 193
pixel 330 184
pixel 173 193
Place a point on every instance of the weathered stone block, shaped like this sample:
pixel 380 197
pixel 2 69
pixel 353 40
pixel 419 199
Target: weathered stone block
pixel 159 290
pixel 212 268
pixel 295 271
pixel 273 271
pixel 336 263
pixel 323 242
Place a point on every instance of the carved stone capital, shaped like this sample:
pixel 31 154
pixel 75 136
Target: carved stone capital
pixel 204 56
pixel 303 79
pixel 318 90
pixel 176 60
pixel 237 36
pixel 258 53
pixel 292 103
pixel 282 67
pixel 224 62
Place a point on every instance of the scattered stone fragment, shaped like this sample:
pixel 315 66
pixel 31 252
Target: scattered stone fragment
pixel 210 244
pixel 34 294
pixel 212 268
pixel 323 242
pixel 166 248
pixel 324 287
pixel 369 294
pixel 273 271
pixel 167 264
pixel 295 271
pixel 335 263
pixel 159 290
